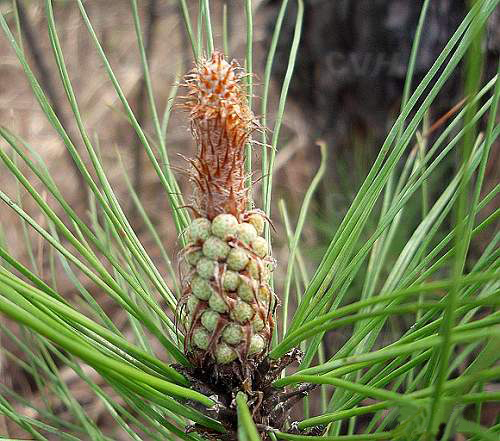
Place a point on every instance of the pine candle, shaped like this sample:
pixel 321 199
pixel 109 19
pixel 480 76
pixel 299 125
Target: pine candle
pixel 227 305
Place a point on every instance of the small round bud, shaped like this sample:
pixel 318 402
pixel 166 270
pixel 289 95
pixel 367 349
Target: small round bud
pixel 201 288
pixel 192 303
pixel 258 271
pixel 259 245
pixel 199 230
pixel 215 248
pixel 201 338
pixel 257 323
pixel 245 291
pixel 242 312
pixel 224 226
pixel 246 232
pixel 253 269
pixel 257 345
pixel 209 319
pixel 232 334
pixel 264 294
pixel 258 222
pixel 237 259
pixel 192 257
pixel 230 281
pixel 225 353
pixel 206 268
pixel 217 303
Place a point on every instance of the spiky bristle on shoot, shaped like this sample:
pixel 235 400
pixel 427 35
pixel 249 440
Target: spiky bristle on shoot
pixel 221 124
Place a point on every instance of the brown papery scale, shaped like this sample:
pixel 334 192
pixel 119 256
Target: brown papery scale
pixel 227 307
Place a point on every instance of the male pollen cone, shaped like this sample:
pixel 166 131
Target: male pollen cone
pixel 221 124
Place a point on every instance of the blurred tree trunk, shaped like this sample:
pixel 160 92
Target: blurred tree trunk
pixel 354 55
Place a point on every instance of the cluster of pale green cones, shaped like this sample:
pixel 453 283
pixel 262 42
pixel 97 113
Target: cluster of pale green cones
pixel 228 299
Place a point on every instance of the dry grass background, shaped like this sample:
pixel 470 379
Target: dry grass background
pixel 102 113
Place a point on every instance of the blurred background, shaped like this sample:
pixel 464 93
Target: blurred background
pixel 346 91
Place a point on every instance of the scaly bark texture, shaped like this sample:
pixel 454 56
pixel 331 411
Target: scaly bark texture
pixel 228 305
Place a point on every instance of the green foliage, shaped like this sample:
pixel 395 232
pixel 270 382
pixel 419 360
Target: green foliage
pixel 423 380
